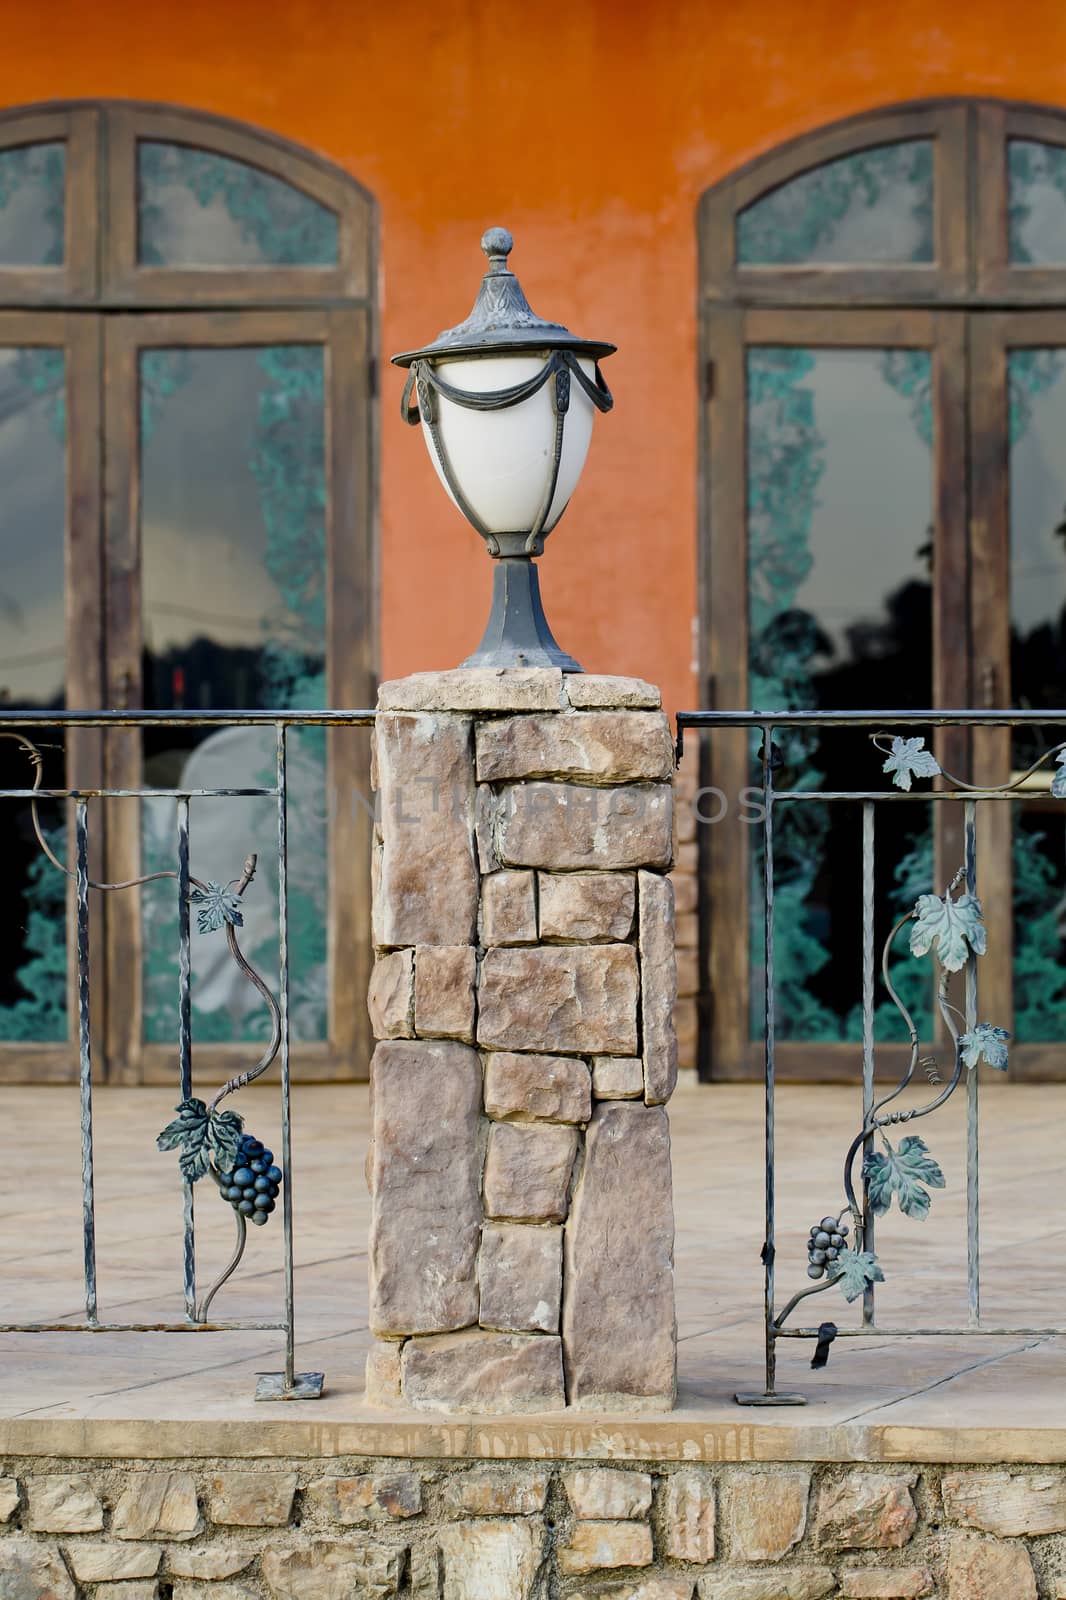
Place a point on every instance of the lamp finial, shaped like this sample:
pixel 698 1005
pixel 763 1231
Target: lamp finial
pixel 497 245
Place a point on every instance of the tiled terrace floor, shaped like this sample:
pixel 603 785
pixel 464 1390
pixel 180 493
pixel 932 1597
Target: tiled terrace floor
pixel 934 1398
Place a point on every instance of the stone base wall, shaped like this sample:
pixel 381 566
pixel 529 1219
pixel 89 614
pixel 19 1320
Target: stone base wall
pixel 350 1528
pixel 523 991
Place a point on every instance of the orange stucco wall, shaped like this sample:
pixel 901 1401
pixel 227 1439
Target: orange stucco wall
pixel 589 127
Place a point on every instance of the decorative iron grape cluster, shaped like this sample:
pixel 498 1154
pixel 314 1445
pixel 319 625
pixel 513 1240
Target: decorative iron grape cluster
pixel 252 1188
pixel 827 1239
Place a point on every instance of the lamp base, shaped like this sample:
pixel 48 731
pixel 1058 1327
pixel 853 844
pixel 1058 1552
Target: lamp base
pixel 517 633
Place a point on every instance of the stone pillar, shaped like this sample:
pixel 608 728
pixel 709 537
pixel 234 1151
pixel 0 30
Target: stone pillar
pixel 521 1241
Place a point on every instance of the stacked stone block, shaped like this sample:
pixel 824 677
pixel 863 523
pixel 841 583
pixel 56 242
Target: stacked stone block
pixel 330 1527
pixel 523 992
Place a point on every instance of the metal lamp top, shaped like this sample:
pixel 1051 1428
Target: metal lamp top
pixel 502 321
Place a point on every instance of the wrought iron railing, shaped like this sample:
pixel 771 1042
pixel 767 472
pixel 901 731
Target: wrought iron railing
pixel 211 1142
pixel 947 924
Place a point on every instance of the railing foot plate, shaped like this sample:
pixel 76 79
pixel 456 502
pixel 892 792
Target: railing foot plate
pixel 756 1398
pixel 305 1386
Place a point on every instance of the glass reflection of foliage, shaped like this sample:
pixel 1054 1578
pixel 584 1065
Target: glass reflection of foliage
pixel 799 221
pixel 288 463
pixel 791 667
pixel 1031 166
pixel 41 1011
pixel 1039 915
pixel 37 240
pixel 286 227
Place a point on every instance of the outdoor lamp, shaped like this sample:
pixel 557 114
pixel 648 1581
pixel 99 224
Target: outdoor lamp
pixel 506 402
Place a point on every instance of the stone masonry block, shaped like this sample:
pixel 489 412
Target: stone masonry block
pixel 527 1171
pixel 587 906
pixel 107 1563
pixel 251 1499
pixel 30 1570
pixel 618 1282
pixel 486 1560
pixel 886 1583
pixel 605 1493
pixel 63 1503
pixel 9 1498
pixel 569 826
pixel 867 1511
pixel 428 881
pixel 368 1497
pixel 658 985
pixel 445 976
pixel 157 1505
pixel 477 1371
pixel 508 908
pixel 593 1546
pixel 576 1000
pixel 980 1569
pixel 768 1513
pixel 185 1590
pixel 595 690
pixel 520 1271
pixel 618 1078
pixel 533 1088
pixel 383 1374
pixel 1003 1502
pixel 391 996
pixel 424 1169
pixel 688 1517
pixel 500 1493
pixel 209 1562
pixel 603 746
pixel 653 1586
pixel 332 1569
pixel 476 689
pixel 801 1583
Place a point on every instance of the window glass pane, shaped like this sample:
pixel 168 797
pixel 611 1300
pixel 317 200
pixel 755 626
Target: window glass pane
pixel 32 199
pixel 33 969
pixel 198 209
pixel 1036 198
pixel 840 491
pixel 233 529
pixel 874 206
pixel 1037 388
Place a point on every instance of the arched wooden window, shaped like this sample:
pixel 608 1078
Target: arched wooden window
pixel 884 479
pixel 186 369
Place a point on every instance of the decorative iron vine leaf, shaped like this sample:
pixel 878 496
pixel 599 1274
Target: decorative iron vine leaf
pixel 201 1134
pixel 216 905
pixel 857 1270
pixel 953 926
pixel 902 1172
pixel 985 1042
pixel 910 759
pixel 1058 782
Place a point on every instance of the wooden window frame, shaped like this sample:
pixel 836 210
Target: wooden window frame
pixel 128 282
pixel 723 278
pixel 77 335
pixel 977 305
pixel 350 673
pixel 105 305
pixel 725 762
pixel 74 281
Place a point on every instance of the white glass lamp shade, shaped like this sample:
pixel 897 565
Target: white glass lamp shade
pixel 502 460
